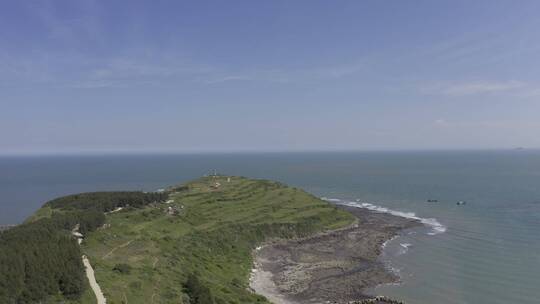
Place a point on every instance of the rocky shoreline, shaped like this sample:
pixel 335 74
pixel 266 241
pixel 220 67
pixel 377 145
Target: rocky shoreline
pixel 332 267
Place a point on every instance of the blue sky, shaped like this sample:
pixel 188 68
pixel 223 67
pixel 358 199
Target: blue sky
pixel 185 76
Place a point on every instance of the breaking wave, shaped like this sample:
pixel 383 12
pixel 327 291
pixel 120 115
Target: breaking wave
pixel 435 226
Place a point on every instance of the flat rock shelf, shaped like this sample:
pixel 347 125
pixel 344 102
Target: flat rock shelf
pixel 335 267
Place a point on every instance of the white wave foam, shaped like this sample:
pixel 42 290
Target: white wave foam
pixel 395 271
pixel 431 222
pixel 333 200
pixel 404 248
pixel 388 241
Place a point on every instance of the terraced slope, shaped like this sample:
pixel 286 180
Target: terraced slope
pixel 200 241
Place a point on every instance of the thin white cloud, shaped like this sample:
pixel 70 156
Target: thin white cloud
pixel 482 87
pixel 339 71
pixel 440 122
pixel 227 78
pixel 304 74
pixel 486 124
pixel 475 88
pixel 76 70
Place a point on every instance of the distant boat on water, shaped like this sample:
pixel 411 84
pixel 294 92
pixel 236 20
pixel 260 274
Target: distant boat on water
pixel 460 203
pixel 432 201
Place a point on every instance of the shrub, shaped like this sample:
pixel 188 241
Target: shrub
pixel 198 292
pixel 122 268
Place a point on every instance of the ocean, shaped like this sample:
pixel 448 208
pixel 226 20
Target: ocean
pixel 486 251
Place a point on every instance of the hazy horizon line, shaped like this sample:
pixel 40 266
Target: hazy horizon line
pixel 246 151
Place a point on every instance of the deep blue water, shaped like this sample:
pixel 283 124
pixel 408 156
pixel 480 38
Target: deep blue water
pixel 489 253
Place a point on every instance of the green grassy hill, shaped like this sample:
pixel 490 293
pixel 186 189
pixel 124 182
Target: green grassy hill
pixel 200 241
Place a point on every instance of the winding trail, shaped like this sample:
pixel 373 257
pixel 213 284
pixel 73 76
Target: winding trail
pixel 92 280
pixel 117 247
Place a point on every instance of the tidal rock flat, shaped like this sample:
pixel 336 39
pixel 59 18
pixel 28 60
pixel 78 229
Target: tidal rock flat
pixel 335 267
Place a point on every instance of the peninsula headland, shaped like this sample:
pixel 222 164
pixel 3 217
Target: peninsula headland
pixel 217 239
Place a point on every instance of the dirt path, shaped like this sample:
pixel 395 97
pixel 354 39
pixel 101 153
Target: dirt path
pixel 117 247
pixel 154 294
pixel 92 280
pixel 115 210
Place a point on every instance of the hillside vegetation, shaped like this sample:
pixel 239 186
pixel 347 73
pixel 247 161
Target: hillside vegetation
pixel 199 249
pixel 190 244
pixel 40 260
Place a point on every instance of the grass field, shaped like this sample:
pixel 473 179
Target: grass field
pixel 212 237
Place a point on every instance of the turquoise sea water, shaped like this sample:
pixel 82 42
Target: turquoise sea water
pixel 487 251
